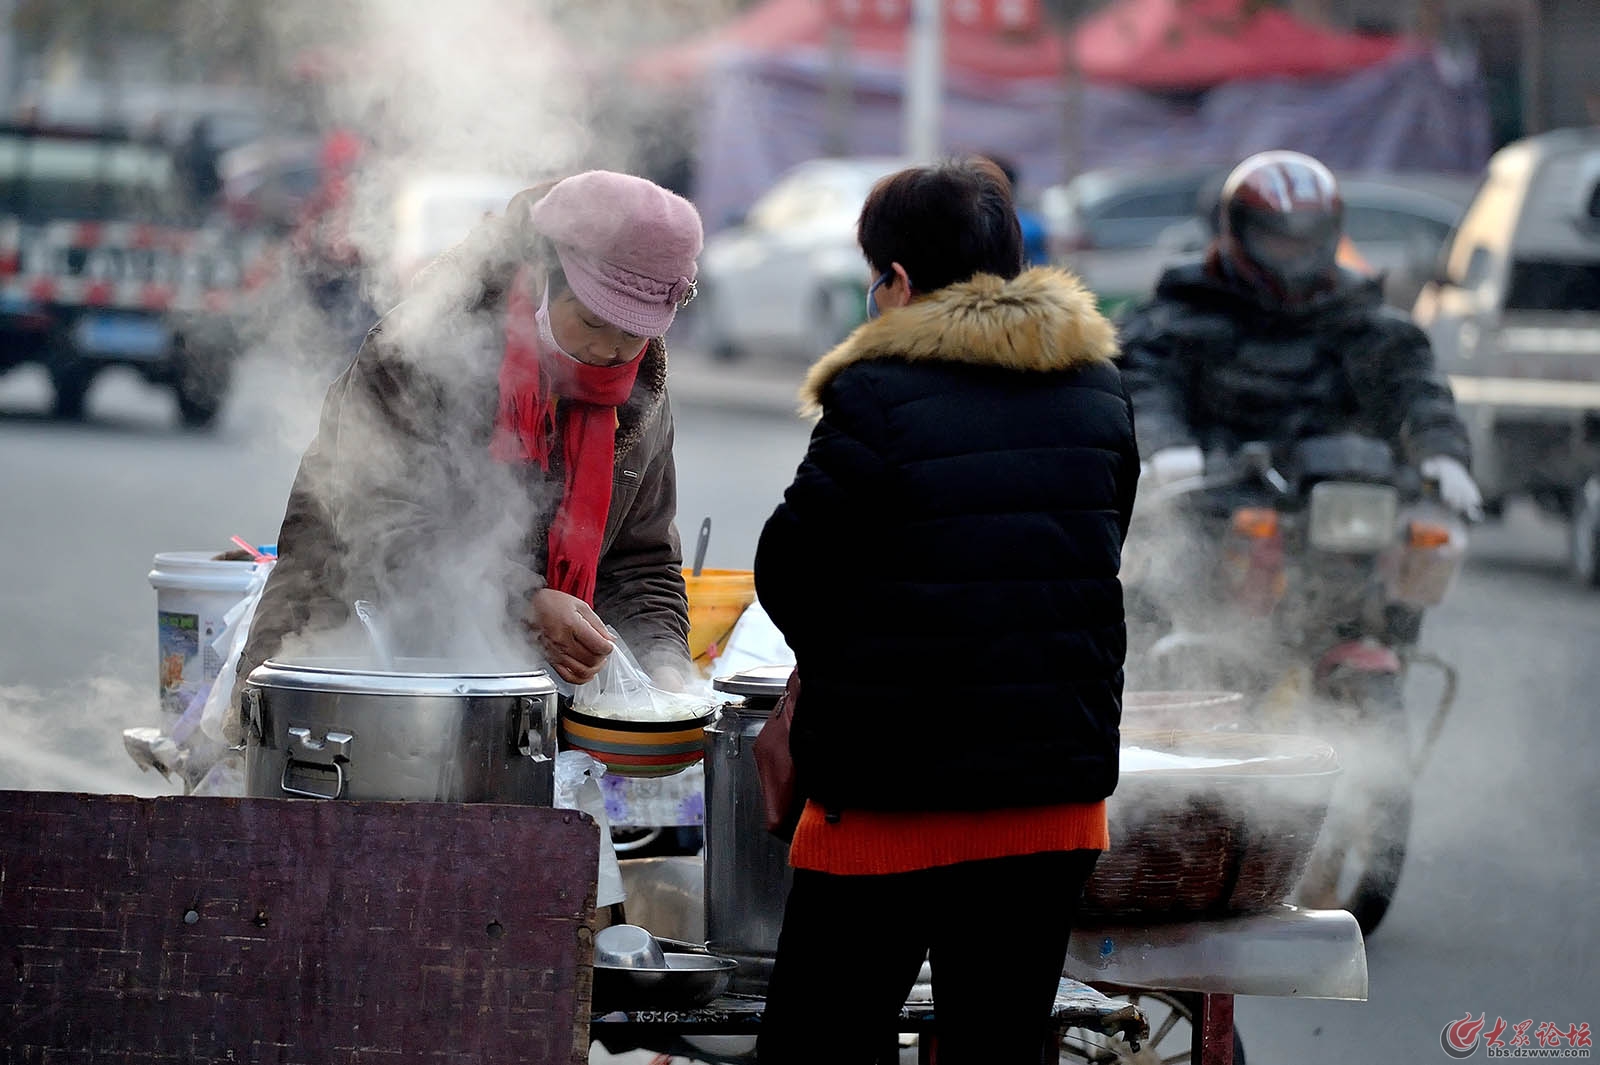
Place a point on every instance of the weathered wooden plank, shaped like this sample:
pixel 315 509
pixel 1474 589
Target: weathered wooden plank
pixel 280 931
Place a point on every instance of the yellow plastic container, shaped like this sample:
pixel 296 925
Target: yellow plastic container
pixel 716 599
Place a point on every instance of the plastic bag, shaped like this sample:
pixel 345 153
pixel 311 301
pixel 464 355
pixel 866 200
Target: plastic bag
pixel 622 691
pixel 219 719
pixel 225 778
pixel 578 788
pixel 754 642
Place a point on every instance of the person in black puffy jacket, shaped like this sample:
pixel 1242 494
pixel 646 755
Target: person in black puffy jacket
pixel 944 566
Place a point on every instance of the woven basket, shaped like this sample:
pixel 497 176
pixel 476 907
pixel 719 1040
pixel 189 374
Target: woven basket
pixel 1209 842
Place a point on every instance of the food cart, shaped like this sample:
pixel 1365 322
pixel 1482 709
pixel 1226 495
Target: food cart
pixel 1130 992
pixel 1183 914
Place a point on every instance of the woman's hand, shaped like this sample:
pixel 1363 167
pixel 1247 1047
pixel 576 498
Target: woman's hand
pixel 571 635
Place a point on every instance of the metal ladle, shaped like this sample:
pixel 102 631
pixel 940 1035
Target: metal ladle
pixel 375 635
pixel 700 547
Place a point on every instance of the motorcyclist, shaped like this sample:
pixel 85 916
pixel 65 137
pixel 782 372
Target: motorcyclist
pixel 1268 338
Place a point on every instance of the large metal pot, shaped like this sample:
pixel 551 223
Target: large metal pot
pixel 330 728
pixel 746 867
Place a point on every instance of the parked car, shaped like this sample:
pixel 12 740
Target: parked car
pixel 1120 230
pixel 433 211
pixel 1400 222
pixel 265 183
pixel 98 269
pixel 1514 316
pixel 789 278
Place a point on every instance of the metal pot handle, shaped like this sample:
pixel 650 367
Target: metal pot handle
pixel 249 720
pixel 528 728
pixel 290 763
pixel 336 743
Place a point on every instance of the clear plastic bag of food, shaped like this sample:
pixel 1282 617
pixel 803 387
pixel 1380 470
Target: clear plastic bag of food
pixel 623 691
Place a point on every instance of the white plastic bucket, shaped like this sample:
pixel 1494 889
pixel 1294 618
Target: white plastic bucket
pixel 193 592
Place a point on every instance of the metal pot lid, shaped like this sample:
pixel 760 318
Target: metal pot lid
pixel 415 677
pixel 762 680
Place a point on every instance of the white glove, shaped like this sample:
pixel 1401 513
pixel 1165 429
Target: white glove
pixel 1177 464
pixel 1456 487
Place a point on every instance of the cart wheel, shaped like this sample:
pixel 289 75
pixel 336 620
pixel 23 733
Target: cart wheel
pixel 1584 534
pixel 1358 856
pixel 1171 1018
pixel 201 385
pixel 71 381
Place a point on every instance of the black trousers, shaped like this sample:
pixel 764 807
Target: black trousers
pixel 994 932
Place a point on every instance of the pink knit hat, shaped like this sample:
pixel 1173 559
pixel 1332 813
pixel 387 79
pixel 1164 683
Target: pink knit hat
pixel 627 246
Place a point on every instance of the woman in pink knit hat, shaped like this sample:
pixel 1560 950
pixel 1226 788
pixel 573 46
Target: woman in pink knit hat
pixel 497 461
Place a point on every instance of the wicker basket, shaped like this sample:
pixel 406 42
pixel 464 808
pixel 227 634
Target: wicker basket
pixel 1213 841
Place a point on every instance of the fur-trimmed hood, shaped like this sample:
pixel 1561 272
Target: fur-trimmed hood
pixel 1041 320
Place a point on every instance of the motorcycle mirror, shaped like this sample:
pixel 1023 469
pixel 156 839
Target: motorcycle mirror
pixel 1257 456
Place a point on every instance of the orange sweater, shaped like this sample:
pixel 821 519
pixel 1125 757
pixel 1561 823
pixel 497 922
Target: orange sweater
pixel 864 842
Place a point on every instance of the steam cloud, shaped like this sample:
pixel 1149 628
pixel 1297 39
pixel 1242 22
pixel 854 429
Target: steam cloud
pixel 493 88
pixel 472 86
pixel 67 739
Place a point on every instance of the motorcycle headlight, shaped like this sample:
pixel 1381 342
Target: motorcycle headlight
pixel 1352 517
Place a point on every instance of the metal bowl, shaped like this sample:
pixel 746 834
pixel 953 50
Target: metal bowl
pixel 628 946
pixel 688 982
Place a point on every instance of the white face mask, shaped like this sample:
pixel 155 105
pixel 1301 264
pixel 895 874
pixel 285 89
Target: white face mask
pixel 546 334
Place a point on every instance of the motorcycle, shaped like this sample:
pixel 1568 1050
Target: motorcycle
pixel 1302 581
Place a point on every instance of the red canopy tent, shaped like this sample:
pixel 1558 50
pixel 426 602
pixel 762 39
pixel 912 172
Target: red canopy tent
pixel 1195 44
pixel 1151 44
pixel 791 25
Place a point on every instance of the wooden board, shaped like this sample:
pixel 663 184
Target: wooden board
pixel 190 929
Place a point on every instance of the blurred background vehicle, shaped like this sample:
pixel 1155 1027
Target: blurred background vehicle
pixel 99 267
pixel 788 278
pixel 266 183
pixel 1120 229
pixel 1400 222
pixel 158 111
pixel 1107 226
pixel 434 211
pixel 1514 316
pixel 1584 535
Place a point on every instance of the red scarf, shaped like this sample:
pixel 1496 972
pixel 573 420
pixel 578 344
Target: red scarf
pixel 532 379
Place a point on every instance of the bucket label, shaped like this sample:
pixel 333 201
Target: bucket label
pixel 181 674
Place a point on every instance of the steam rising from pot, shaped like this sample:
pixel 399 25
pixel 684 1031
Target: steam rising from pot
pixel 499 87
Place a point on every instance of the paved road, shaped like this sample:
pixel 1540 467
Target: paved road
pixel 1495 914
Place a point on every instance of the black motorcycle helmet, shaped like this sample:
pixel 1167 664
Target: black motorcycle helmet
pixel 1280 222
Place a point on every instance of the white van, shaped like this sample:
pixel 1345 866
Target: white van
pixel 1514 317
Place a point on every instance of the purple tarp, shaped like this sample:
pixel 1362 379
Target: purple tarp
pixel 767 113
